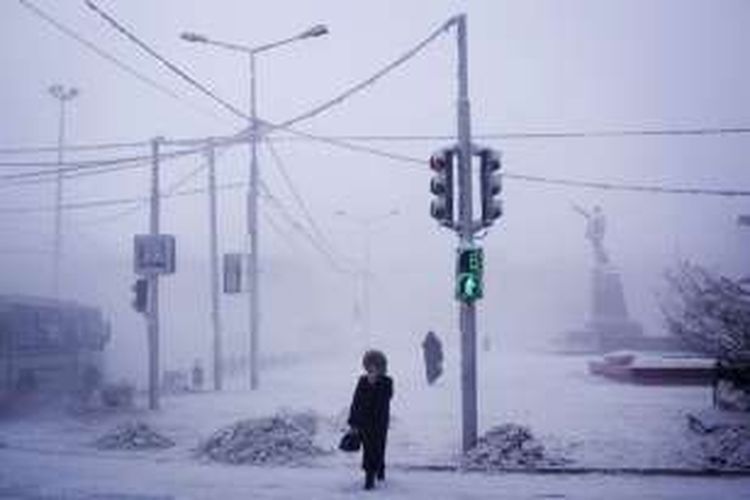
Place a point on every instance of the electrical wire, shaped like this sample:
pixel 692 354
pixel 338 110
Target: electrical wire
pixel 300 228
pixel 40 149
pixel 624 187
pixel 276 227
pixel 37 11
pixel 404 158
pixel 665 132
pixel 30 150
pixel 165 62
pixel 298 198
pixel 171 191
pixel 96 167
pixel 354 89
pixel 36 181
pixel 286 125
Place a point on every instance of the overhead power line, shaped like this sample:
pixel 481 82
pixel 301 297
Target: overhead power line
pixel 625 187
pixel 354 89
pixel 101 166
pixel 172 190
pixel 298 227
pixel 664 132
pixel 286 125
pixel 299 200
pixel 37 149
pixel 166 62
pixel 37 11
pixel 91 166
pixel 343 143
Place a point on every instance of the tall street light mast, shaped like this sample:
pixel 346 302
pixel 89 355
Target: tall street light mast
pixel 62 95
pixel 252 196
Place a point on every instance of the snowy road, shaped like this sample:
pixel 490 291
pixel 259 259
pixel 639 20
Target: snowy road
pixel 50 455
pixel 28 475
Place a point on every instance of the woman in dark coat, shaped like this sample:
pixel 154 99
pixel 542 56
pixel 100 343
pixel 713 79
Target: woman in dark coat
pixel 370 413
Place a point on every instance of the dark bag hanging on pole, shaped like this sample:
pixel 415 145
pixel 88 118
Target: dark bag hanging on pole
pixel 350 442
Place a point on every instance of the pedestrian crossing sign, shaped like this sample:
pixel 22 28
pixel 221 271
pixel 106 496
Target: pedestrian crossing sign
pixel 469 271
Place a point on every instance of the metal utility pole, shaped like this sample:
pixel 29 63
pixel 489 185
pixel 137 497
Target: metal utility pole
pixel 62 95
pixel 252 196
pixel 153 286
pixel 214 256
pixel 252 231
pixel 367 224
pixel 466 239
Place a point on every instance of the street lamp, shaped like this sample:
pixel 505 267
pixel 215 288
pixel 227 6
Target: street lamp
pixel 367 224
pixel 63 95
pixel 252 197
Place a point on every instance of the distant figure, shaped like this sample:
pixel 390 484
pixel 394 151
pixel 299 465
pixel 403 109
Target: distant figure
pixel 432 349
pixel 369 414
pixel 486 343
pixel 196 377
pixel 596 225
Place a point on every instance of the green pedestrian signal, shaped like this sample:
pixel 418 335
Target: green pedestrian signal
pixel 469 270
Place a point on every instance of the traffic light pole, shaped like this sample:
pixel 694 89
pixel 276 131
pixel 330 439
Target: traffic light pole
pixel 153 288
pixel 466 239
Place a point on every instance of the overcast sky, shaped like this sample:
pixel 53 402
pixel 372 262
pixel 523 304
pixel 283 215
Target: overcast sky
pixel 534 66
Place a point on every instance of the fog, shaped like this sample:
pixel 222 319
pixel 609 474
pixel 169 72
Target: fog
pixel 542 66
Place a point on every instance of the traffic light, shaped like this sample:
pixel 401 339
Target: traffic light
pixel 469 271
pixel 140 295
pixel 441 185
pixel 491 185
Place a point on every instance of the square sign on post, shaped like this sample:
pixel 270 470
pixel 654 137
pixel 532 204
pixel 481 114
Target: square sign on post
pixel 469 271
pixel 233 272
pixel 154 254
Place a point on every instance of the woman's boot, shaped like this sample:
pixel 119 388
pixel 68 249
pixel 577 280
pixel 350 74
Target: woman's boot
pixel 369 480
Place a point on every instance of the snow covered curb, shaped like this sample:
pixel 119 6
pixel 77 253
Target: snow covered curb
pixel 574 470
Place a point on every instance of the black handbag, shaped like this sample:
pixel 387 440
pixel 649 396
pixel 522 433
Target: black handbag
pixel 350 442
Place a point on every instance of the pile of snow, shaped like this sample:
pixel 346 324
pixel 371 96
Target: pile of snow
pixel 509 446
pixel 133 436
pixel 280 439
pixel 722 445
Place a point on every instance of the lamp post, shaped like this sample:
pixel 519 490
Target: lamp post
pixel 252 196
pixel 367 224
pixel 62 95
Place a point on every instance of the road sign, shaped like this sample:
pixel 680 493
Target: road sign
pixel 233 272
pixel 154 254
pixel 469 271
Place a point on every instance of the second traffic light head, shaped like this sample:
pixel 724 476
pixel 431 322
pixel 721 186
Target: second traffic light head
pixel 491 185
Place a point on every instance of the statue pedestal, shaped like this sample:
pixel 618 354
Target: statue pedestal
pixel 609 327
pixel 609 318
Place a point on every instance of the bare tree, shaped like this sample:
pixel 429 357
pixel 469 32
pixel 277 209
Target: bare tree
pixel 711 314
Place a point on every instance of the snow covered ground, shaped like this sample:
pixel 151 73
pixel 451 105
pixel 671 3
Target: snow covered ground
pixel 31 476
pixel 595 422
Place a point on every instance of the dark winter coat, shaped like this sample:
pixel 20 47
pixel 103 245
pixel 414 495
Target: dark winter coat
pixel 370 415
pixel 433 357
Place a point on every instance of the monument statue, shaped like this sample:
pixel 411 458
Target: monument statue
pixel 608 326
pixel 596 225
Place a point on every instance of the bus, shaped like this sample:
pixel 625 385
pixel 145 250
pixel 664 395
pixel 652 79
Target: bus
pixel 49 347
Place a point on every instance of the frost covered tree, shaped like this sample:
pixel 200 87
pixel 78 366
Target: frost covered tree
pixel 711 314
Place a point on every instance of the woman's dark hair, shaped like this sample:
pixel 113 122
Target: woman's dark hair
pixel 375 358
